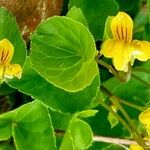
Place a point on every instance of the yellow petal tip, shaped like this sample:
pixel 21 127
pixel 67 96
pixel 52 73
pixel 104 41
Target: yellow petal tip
pixel 13 70
pixel 122 27
pixel 144 117
pixel 135 147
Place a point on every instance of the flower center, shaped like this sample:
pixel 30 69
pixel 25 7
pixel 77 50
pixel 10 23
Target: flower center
pixel 4 57
pixel 121 33
pixel 122 27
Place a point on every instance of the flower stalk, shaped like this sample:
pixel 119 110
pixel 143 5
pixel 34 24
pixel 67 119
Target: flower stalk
pixel 133 131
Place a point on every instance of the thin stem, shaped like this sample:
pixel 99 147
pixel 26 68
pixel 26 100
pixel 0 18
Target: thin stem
pixel 109 67
pixel 121 76
pixel 99 138
pixel 132 125
pixel 141 80
pixel 140 108
pixel 141 69
pixel 115 100
pixel 113 140
pixel 119 118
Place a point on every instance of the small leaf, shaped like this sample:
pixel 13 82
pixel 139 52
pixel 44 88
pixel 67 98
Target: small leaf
pixel 87 113
pixel 60 120
pixel 139 21
pixel 6 125
pixel 76 14
pixel 112 120
pixel 79 135
pixel 6 129
pixel 67 142
pixel 146 35
pixel 115 147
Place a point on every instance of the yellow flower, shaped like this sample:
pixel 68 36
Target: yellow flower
pixel 144 118
pixel 122 49
pixel 135 147
pixel 8 70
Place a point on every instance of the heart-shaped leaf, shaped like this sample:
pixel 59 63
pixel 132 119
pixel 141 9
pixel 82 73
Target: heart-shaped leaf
pixel 63 51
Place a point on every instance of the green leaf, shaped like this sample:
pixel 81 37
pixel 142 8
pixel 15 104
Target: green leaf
pixel 5 89
pixel 148 4
pixel 112 120
pixel 139 21
pixel 79 135
pixel 115 147
pixel 76 14
pixel 146 35
pixel 33 84
pixel 6 125
pixel 107 30
pixel 87 113
pixel 107 146
pixel 31 126
pixel 67 142
pixel 10 30
pixel 63 51
pixel 129 5
pixel 60 120
pixel 96 13
pixel 132 87
pixel 6 147
pixel 5 128
pixel 100 126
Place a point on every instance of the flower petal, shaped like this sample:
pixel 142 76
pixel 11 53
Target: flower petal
pixel 6 52
pixel 123 56
pixel 144 117
pixel 141 50
pixel 122 27
pixel 120 51
pixel 135 147
pixel 108 48
pixel 13 70
pixel 148 128
pixel 1 72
